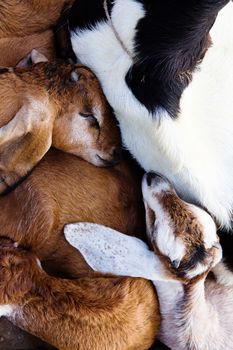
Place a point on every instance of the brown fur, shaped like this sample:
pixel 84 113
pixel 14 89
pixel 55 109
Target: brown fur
pixel 87 313
pixel 64 189
pixel 97 313
pixel 183 220
pixel 27 25
pixel 14 49
pixel 40 106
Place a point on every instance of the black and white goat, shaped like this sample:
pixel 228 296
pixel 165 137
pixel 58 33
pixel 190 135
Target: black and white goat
pixel 166 69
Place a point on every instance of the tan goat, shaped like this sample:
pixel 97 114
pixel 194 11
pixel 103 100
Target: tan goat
pixel 52 104
pixel 108 313
pixel 65 189
pixel 86 313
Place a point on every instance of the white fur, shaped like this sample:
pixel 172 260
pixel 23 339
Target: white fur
pixel 79 132
pixel 198 270
pixel 163 228
pixel 39 264
pixel 74 76
pixel 223 274
pixel 109 251
pixel 196 151
pixel 203 319
pixel 208 224
pixel 6 310
pixel 203 323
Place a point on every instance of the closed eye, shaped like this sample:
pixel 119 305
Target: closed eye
pixel 92 119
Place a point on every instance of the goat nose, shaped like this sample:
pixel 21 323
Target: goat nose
pixel 155 176
pixel 149 177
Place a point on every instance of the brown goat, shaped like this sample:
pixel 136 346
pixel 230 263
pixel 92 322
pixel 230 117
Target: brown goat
pixel 65 189
pixel 52 104
pixel 85 314
pixel 27 25
pixel 108 313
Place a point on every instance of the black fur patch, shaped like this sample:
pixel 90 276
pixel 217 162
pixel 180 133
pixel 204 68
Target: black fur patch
pixel 87 13
pixel 170 41
pixel 226 240
pixel 83 14
pixel 62 40
pixel 198 256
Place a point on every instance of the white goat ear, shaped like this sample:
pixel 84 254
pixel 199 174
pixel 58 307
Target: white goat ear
pixel 32 58
pixel 108 251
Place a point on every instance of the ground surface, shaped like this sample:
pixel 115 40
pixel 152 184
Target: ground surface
pixel 12 338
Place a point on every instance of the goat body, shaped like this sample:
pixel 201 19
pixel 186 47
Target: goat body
pixel 64 189
pixel 92 312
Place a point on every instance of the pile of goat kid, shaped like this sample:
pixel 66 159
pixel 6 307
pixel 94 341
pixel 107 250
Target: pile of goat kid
pixel 84 228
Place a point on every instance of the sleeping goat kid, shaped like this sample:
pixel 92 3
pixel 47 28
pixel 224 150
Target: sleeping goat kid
pixel 196 312
pixel 52 104
pixel 170 84
pixel 65 189
pixel 87 313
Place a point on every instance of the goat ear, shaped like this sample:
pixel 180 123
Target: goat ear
pixel 24 140
pixel 109 251
pixel 32 58
pixel 28 119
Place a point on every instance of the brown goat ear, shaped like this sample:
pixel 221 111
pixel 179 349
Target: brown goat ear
pixel 32 58
pixel 25 140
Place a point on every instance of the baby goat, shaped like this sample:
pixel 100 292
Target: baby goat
pixel 85 314
pixel 52 104
pixel 196 311
pixel 65 189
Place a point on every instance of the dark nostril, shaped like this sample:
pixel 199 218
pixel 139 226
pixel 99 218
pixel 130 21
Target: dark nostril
pixel 149 177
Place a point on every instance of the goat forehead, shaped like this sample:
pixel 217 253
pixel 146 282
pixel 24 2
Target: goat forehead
pixel 161 186
pixel 190 222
